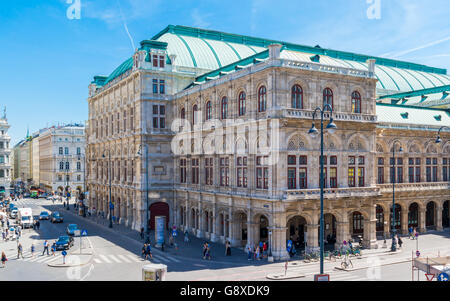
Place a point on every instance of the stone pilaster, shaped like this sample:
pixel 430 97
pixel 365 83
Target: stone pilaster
pixel 422 215
pixel 439 226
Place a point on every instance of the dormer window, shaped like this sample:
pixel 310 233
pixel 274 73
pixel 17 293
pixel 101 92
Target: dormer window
pixel 158 61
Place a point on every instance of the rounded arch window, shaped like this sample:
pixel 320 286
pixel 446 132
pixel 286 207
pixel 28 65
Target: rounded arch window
pixel 224 108
pixel 242 103
pixel 297 97
pixel 328 97
pixel 183 114
pixel 262 99
pixel 208 110
pixel 356 102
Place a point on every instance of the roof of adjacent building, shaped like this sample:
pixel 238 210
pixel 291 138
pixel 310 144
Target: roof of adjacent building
pixel 411 115
pixel 438 97
pixel 208 50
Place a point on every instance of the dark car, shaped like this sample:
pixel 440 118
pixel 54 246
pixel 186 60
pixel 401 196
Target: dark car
pixel 56 217
pixel 71 229
pixel 64 242
pixel 44 215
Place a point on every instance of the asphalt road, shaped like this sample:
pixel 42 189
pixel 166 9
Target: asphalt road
pixel 116 256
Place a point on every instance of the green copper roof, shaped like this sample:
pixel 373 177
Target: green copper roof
pixel 402 114
pixel 209 51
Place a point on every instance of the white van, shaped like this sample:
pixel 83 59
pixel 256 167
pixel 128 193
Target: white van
pixel 25 218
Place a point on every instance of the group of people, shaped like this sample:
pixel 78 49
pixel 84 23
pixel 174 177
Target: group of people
pixel 258 252
pixel 412 233
pixel 4 259
pixel 147 251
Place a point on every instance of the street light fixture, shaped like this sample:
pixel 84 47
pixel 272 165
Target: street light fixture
pixel 331 128
pixel 109 176
pixel 438 138
pixel 146 187
pixel 393 246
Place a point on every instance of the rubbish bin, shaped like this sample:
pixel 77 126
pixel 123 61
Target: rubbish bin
pixel 154 272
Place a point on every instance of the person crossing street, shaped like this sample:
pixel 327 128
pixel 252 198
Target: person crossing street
pixel 32 250
pixel 45 248
pixel 19 251
pixel 4 260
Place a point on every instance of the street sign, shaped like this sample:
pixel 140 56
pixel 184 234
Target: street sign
pixel 84 233
pixel 429 277
pixel 417 253
pixel 76 232
pixel 322 277
pixel 64 253
pixel 442 277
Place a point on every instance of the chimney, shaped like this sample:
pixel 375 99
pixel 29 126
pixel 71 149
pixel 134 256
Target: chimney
pixel 371 65
pixel 274 51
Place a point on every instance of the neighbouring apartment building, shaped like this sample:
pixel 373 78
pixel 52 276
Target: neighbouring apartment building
pixel 211 130
pixel 5 157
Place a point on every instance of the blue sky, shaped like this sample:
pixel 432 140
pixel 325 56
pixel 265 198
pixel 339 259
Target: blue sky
pixel 47 60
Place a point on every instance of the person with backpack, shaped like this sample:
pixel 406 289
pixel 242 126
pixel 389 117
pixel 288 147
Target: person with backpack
pixel 19 251
pixel 149 252
pixel 45 248
pixel 249 252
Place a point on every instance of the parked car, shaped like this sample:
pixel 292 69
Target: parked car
pixel 71 229
pixel 56 217
pixel 64 242
pixel 44 215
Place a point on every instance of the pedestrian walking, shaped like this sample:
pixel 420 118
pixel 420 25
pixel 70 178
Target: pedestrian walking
pixel 142 232
pixel 258 253
pixel 410 231
pixel 249 252
pixel 3 234
pixel 414 233
pixel 38 224
pixel 32 250
pixel 144 251
pixel 265 250
pixel 170 239
pixel 45 248
pixel 4 260
pixel 186 236
pixel 396 240
pixel 149 252
pixel 19 251
pixel 204 250
pixel 400 242
pixel 227 249
pixel 53 249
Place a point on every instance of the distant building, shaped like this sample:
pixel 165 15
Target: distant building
pixel 61 159
pixel 5 157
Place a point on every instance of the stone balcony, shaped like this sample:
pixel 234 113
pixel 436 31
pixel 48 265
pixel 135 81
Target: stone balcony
pixel 331 193
pixel 405 187
pixel 308 114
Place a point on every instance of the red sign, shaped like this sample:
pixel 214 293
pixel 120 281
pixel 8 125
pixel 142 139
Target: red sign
pixel 417 253
pixel 322 277
pixel 429 277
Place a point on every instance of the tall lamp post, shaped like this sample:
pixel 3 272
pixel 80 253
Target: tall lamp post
pixel 67 183
pixel 393 246
pixel 146 187
pixel 109 176
pixel 331 127
pixel 438 138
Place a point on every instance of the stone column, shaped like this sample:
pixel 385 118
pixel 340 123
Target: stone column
pixel 279 251
pixel 422 215
pixel 342 230
pixel 214 236
pixel 201 221
pixel 188 217
pixel 404 221
pixel 439 209
pixel 370 234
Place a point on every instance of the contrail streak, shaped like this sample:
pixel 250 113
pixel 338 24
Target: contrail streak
pixel 125 26
pixel 402 53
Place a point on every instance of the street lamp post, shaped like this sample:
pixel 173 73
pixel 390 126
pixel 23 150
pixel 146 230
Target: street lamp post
pixel 393 246
pixel 146 188
pixel 438 138
pixel 331 127
pixel 109 176
pixel 67 184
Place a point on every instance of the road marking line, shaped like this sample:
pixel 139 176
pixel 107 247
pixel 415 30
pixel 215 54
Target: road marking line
pixel 47 258
pixel 161 258
pixel 114 258
pixel 105 258
pixel 97 260
pixel 134 258
pixel 123 258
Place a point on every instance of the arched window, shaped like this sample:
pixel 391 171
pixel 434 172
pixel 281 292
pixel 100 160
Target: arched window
pixel 358 221
pixel 208 110
pixel 194 114
pixel 262 100
pixel 328 97
pixel 183 114
pixel 356 102
pixel 241 104
pixel 297 97
pixel 224 108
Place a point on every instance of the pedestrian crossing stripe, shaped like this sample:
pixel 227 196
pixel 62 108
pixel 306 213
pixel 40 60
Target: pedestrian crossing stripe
pixel 123 258
pixel 114 258
pixel 105 258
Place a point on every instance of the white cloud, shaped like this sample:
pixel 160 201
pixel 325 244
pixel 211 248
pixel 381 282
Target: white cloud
pixel 199 19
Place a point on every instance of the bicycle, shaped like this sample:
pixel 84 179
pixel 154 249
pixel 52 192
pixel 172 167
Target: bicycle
pixel 346 262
